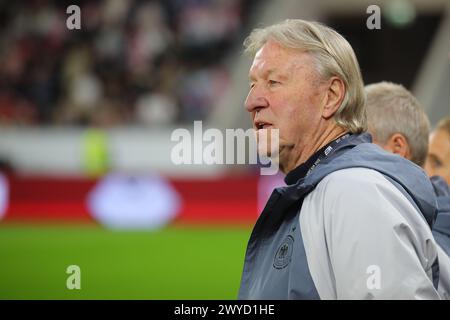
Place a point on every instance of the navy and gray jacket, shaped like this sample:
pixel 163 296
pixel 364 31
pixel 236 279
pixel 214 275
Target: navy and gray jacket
pixel 441 228
pixel 357 226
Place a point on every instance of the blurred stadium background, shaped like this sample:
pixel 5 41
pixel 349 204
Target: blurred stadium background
pixel 86 118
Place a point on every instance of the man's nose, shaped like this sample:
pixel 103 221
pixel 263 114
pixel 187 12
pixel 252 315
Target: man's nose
pixel 256 100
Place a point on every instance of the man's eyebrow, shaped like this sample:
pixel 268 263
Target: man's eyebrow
pixel 268 73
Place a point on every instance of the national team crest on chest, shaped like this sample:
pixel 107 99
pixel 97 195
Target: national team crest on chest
pixel 284 253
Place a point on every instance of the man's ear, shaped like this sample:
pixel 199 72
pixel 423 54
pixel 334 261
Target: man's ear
pixel 398 144
pixel 334 97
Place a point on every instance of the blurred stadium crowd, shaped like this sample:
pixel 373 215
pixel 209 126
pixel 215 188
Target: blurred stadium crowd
pixel 132 62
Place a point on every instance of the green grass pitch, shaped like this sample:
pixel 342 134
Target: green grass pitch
pixel 173 263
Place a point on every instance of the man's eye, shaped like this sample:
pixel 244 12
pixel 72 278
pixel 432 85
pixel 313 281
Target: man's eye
pixel 273 82
pixel 435 163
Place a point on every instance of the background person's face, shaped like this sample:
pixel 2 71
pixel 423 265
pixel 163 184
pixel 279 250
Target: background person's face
pixel 438 159
pixel 285 93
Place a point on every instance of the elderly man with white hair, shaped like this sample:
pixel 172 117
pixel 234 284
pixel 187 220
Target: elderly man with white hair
pixel 353 221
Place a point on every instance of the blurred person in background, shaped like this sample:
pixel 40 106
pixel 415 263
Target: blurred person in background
pixel 398 123
pixel 438 159
pixel 151 63
pixel 348 223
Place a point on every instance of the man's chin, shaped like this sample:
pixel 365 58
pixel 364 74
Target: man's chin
pixel 268 153
pixel 279 155
pixel 284 158
pixel 268 143
pixel 265 150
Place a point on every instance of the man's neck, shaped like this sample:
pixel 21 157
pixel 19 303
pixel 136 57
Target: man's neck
pixel 330 134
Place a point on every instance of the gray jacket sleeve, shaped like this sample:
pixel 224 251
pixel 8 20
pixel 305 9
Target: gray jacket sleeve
pixel 365 240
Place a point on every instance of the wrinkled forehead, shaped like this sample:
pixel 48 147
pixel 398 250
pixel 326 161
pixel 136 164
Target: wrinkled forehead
pixel 273 57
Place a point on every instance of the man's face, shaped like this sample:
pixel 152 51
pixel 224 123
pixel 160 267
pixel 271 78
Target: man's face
pixel 438 159
pixel 285 94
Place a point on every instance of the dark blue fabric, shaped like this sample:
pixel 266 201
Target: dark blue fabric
pixel 441 228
